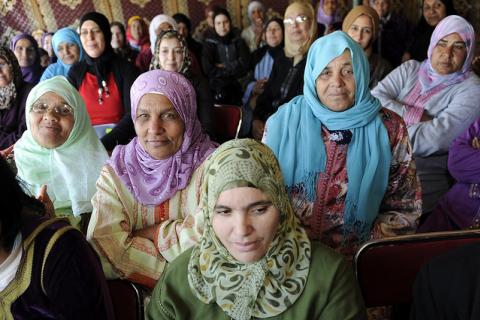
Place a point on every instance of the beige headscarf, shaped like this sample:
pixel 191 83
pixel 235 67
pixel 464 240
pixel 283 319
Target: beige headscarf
pixel 298 50
pixel 357 12
pixel 261 289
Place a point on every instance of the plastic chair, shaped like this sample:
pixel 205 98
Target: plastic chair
pixel 386 268
pixel 227 121
pixel 127 300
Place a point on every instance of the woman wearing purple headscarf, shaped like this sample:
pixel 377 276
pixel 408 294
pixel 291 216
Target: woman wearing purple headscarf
pixel 26 50
pixel 144 209
pixel 328 18
pixel 438 98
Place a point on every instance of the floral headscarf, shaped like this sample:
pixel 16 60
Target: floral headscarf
pixel 261 289
pixel 9 92
pixel 153 181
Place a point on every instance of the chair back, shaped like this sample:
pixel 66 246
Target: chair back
pixel 127 300
pixel 386 268
pixel 227 121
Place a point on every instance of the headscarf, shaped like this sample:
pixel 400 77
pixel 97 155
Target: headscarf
pixel 293 135
pixel 99 64
pixel 157 21
pixel 271 285
pixel 252 5
pixel 70 170
pixel 153 181
pixel 325 19
pixel 357 12
pixel 427 76
pixel 33 72
pixel 60 68
pixel 9 92
pixel 143 41
pixel 185 69
pixel 298 50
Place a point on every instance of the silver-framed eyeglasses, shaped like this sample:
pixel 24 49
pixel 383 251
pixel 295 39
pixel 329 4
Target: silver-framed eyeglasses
pixel 62 110
pixel 298 19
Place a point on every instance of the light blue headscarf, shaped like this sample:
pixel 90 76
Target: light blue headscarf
pixel 294 136
pixel 59 68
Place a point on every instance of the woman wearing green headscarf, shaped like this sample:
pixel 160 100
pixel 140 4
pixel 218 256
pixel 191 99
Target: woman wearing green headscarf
pixel 60 149
pixel 347 161
pixel 254 260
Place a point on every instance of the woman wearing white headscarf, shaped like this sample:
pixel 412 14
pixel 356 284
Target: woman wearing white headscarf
pixel 252 35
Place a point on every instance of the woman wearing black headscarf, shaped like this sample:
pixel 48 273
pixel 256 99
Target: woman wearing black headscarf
pixel 104 80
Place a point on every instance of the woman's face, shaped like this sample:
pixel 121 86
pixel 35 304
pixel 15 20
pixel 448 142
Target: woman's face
pixel 297 25
pixel 382 7
pixel 68 52
pixel 257 15
pixel 336 84
pixel 6 74
pixel 361 31
pixel 449 54
pixel 329 7
pixel 117 37
pixel 222 25
pixel 92 38
pixel 158 126
pixel 182 29
pixel 51 120
pixel 25 53
pixel 137 29
pixel 171 54
pixel 274 34
pixel 47 44
pixel 434 11
pixel 245 221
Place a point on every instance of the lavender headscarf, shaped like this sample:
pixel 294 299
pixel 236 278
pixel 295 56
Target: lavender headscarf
pixel 325 19
pixel 153 181
pixel 427 76
pixel 32 73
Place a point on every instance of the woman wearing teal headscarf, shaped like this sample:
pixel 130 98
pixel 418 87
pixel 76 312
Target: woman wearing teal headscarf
pixel 346 160
pixel 254 260
pixel 60 149
pixel 68 48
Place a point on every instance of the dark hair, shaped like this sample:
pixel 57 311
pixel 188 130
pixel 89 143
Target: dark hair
pixel 120 26
pixel 218 11
pixel 12 202
pixel 181 18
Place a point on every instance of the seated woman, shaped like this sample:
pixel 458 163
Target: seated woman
pixel 13 96
pixel 328 17
pixel 225 60
pixel 254 260
pixel 172 54
pixel 137 33
pixel 144 208
pixel 47 269
pixel 286 79
pixel 159 23
pixel 262 60
pixel 68 48
pixel 346 160
pixel 104 80
pixel 26 50
pixel 119 42
pixel 438 99
pixel 60 150
pixel 433 11
pixel 253 33
pixel 362 24
pixel 47 46
pixel 185 30
pixel 459 207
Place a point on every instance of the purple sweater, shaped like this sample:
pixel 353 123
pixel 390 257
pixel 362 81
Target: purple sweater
pixel 460 207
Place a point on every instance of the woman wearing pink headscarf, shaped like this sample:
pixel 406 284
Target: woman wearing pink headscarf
pixel 144 208
pixel 438 99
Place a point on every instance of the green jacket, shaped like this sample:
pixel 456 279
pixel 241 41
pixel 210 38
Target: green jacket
pixel 331 292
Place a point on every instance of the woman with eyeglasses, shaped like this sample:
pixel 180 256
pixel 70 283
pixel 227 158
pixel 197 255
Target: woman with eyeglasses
pixel 13 96
pixel 60 150
pixel 104 80
pixel 286 79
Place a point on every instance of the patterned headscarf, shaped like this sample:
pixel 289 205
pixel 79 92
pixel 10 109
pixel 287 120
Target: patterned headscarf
pixel 33 72
pixel 156 22
pixel 169 34
pixel 70 170
pixel 294 136
pixel 271 285
pixel 153 181
pixel 427 76
pixel 8 93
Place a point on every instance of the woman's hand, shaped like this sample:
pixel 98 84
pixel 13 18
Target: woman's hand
pixel 47 202
pixel 258 87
